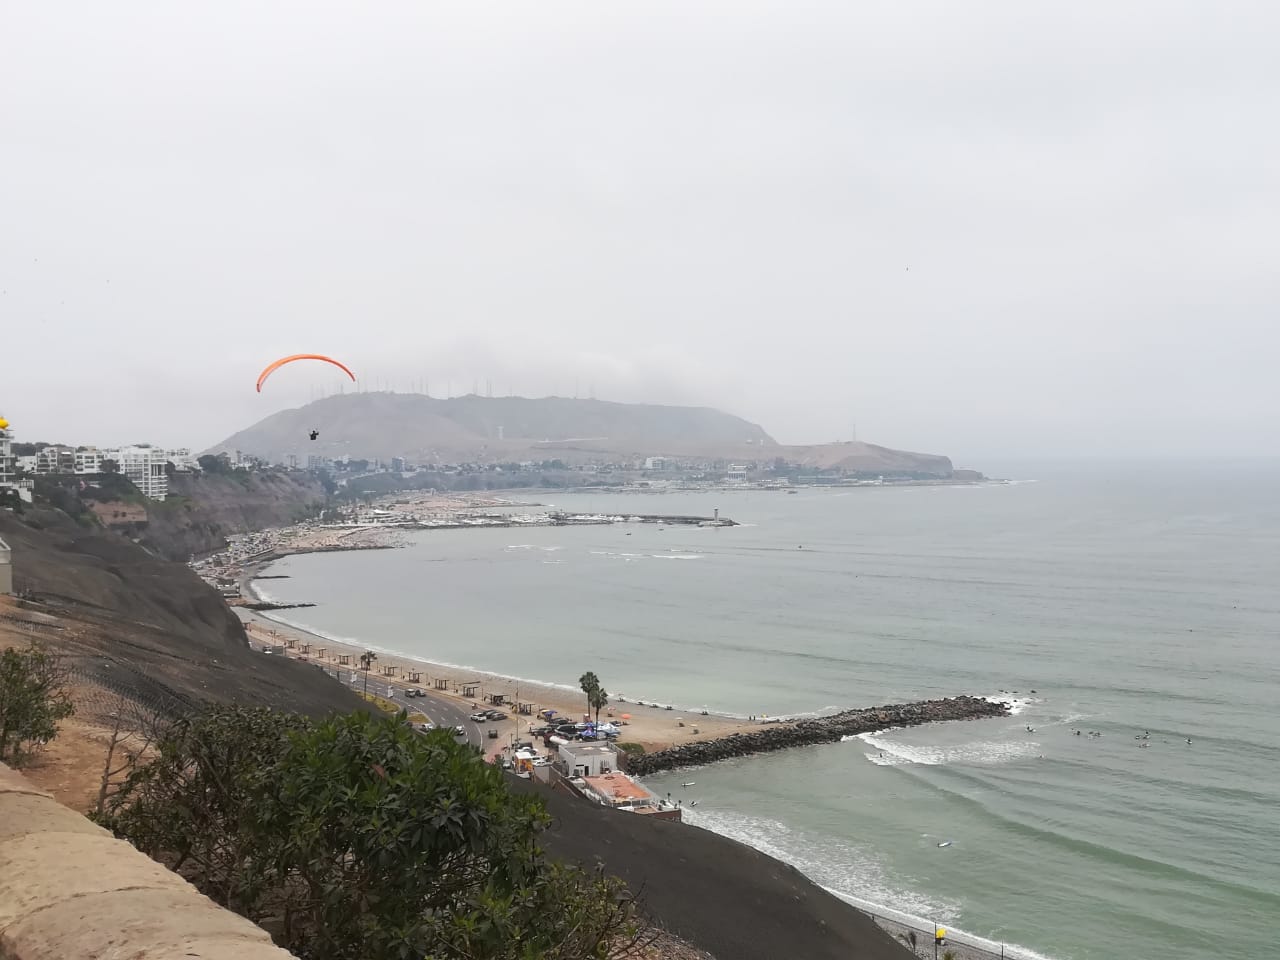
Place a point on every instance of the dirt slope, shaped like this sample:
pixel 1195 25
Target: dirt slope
pixel 712 892
pixel 131 621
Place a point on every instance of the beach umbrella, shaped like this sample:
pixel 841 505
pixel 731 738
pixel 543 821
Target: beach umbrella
pixel 626 716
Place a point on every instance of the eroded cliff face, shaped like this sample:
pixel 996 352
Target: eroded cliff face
pixel 203 509
pixel 134 624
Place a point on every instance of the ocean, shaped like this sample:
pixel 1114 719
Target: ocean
pixel 1118 599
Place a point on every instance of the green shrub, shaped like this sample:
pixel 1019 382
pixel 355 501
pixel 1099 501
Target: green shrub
pixel 355 838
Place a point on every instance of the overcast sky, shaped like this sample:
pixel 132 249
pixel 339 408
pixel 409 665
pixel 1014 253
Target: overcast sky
pixel 981 229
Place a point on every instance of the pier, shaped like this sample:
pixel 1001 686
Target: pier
pixel 803 733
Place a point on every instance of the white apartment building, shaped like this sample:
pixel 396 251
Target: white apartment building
pixel 88 461
pixel 144 465
pixel 7 463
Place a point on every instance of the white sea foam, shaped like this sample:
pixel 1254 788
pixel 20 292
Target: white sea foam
pixel 1016 704
pixel 848 872
pixel 890 753
pixel 838 865
pixel 677 556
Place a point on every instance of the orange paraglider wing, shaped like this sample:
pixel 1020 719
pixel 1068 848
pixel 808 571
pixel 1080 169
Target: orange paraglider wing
pixel 271 368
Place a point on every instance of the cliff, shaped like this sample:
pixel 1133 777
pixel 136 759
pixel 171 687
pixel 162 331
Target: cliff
pixel 133 623
pixel 203 509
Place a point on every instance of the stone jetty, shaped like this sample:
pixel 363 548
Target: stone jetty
pixel 803 733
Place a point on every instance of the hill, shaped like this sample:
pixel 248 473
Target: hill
pixel 426 429
pixel 857 457
pixel 202 510
pixel 485 429
pixel 131 622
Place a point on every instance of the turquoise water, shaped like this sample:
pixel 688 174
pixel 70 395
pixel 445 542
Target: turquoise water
pixel 1128 600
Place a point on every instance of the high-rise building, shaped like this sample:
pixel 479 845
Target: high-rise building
pixel 8 466
pixel 144 465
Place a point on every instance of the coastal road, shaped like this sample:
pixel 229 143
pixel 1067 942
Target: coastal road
pixel 443 711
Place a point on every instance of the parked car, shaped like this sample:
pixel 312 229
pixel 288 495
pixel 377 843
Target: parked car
pixel 479 717
pixel 459 731
pixel 496 715
pixel 540 762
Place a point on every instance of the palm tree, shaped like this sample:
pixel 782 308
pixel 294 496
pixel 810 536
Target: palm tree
pixel 598 698
pixel 366 660
pixel 590 683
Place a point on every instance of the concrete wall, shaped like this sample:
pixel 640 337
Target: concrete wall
pixel 69 889
pixel 6 569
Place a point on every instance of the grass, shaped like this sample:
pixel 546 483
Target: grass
pixel 635 748
pixel 382 703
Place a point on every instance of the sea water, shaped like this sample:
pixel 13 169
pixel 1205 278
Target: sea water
pixel 1134 600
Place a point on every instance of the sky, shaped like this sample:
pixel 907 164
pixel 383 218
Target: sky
pixel 986 230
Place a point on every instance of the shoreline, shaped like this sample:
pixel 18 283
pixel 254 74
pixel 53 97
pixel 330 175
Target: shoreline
pixel 652 727
pixel 646 727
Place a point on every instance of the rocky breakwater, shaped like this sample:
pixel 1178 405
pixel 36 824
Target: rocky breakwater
pixel 805 733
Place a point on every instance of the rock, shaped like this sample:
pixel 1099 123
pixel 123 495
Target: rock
pixel 820 730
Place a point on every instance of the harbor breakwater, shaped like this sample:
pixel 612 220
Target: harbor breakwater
pixel 805 733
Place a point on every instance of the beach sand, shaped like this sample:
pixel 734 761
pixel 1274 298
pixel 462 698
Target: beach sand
pixel 652 727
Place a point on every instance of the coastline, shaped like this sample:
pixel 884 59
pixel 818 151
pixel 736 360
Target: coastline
pixel 651 726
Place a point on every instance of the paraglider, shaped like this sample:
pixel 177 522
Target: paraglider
pixel 272 367
pixel 314 434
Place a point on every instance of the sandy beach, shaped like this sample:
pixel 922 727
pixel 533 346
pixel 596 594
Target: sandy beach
pixel 652 727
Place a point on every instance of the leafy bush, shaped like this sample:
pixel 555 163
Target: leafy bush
pixel 355 838
pixel 33 698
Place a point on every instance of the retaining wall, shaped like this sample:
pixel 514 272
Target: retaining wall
pixel 68 889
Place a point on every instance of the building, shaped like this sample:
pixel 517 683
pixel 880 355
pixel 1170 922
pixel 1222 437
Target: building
pixel 619 791
pixel 6 569
pixel 88 461
pixel 579 759
pixel 736 471
pixel 657 463
pixel 8 466
pixel 55 459
pixel 144 465
pixel 182 460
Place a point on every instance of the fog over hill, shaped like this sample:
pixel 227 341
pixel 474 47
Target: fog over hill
pixel 472 428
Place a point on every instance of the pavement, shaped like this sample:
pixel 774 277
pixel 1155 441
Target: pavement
pixel 440 708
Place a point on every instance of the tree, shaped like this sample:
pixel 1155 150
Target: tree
pixel 598 699
pixel 134 729
pixel 366 661
pixel 589 683
pixel 109 466
pixel 33 699
pixel 355 838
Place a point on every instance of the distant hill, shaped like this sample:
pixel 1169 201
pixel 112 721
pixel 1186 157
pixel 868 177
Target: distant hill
pixel 857 457
pixel 426 429
pixel 485 429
